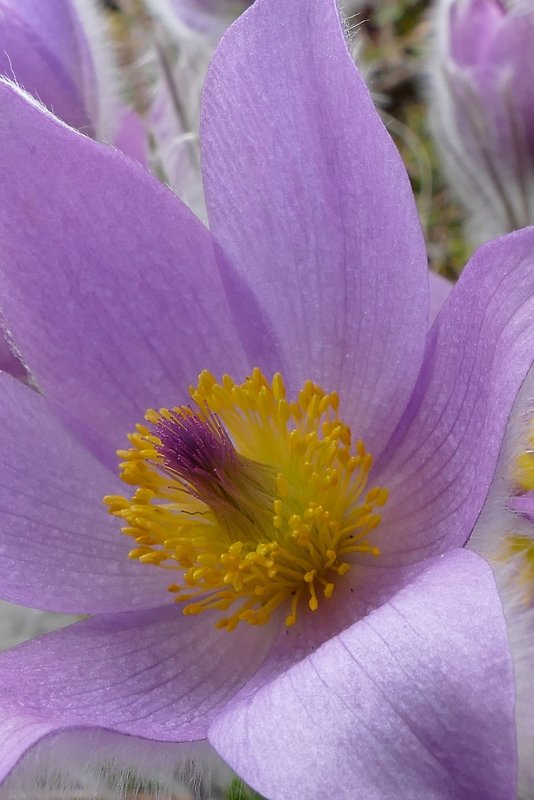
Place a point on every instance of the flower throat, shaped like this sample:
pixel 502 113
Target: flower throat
pixel 256 501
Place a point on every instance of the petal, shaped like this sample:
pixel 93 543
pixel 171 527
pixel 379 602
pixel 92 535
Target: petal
pixel 131 137
pixel 59 549
pixel 416 700
pixel 153 674
pixel 473 26
pixel 309 199
pixel 58 52
pixel 441 461
pixel 509 79
pixel 33 40
pixel 523 504
pixel 8 360
pixel 109 282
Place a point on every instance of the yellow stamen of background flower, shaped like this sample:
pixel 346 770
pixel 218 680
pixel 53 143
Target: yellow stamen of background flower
pixel 257 501
pixel 525 465
pixel 519 550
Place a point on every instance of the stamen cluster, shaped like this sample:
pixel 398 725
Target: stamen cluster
pixel 258 502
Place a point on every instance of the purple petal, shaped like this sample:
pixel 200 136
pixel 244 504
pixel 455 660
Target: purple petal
pixel 523 504
pixel 507 82
pixel 309 199
pixel 360 592
pixel 416 700
pixel 473 25
pixel 109 282
pixel 59 549
pixel 153 674
pixel 441 461
pixel 49 49
pixel 9 362
pixel 131 137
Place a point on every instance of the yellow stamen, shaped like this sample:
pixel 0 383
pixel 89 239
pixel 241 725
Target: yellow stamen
pixel 259 502
pixel 519 550
pixel 525 464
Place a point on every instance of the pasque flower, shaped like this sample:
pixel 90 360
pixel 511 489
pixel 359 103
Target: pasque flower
pixel 482 101
pixel 307 502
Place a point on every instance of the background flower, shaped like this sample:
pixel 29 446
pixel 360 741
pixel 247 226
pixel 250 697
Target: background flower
pixel 482 101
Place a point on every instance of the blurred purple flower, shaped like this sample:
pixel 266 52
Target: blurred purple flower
pixel 401 683
pixel 482 109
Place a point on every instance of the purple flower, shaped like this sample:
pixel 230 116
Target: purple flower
pixel 379 662
pixel 482 110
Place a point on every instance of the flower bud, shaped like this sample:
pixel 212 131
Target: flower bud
pixel 482 110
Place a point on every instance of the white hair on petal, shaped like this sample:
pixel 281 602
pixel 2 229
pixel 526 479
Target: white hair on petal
pixel 495 523
pixel 6 334
pixel 93 763
pixel 36 103
pixel 106 76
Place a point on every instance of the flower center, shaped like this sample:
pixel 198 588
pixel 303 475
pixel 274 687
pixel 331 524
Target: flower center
pixel 257 501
